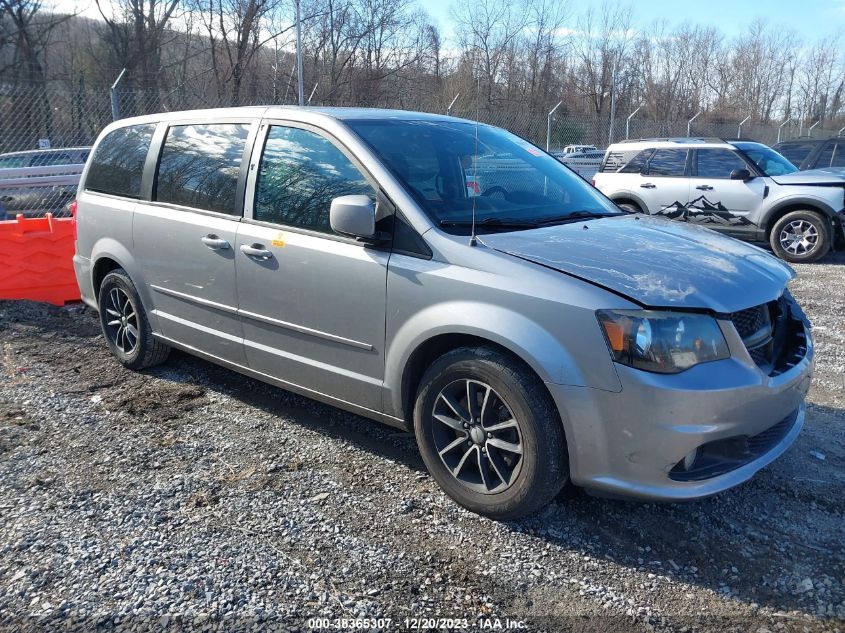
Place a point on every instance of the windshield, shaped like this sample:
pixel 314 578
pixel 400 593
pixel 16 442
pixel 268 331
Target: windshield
pixel 509 182
pixel 768 160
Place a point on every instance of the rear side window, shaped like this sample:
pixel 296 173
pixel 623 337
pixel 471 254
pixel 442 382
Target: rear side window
pixel 12 162
pixel 200 165
pixel 46 160
pixel 668 162
pixel 833 155
pixel 299 175
pixel 718 163
pixel 796 153
pixel 118 162
pixel 637 163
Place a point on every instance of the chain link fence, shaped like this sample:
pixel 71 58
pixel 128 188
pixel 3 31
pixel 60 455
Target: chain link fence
pixel 63 115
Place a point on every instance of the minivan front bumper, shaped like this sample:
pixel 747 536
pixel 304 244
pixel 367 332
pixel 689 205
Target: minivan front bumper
pixel 727 416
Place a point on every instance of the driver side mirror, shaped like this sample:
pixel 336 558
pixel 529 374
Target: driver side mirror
pixel 741 174
pixel 354 216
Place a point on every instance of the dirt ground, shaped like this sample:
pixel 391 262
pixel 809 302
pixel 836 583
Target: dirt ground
pixel 191 498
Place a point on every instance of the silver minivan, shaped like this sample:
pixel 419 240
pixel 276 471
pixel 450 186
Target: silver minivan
pixel 528 332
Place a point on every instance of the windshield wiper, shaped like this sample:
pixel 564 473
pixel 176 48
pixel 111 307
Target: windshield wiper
pixel 496 223
pixel 575 215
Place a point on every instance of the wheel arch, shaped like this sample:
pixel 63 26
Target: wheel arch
pixel 626 197
pixel 788 206
pixel 435 331
pixel 109 254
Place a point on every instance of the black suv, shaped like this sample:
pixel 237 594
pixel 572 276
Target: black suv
pixel 814 153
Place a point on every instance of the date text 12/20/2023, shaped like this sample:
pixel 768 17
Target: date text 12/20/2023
pixel 421 623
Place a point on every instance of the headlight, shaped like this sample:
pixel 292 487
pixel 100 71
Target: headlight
pixel 662 342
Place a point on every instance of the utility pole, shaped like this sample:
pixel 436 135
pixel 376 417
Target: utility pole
pixel 299 74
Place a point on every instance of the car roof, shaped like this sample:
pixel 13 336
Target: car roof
pixel 294 113
pixel 808 139
pixel 663 143
pixel 28 152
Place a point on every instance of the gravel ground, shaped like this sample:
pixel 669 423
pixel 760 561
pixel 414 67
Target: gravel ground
pixel 192 498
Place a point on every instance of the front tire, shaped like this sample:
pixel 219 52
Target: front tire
pixel 490 434
pixel 801 237
pixel 629 207
pixel 125 324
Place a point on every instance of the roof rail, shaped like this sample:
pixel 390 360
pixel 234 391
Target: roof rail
pixel 681 140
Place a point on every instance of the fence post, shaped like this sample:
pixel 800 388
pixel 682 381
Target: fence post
pixel 810 130
pixel 449 108
pixel 741 123
pixel 612 121
pixel 549 125
pixel 689 123
pixel 300 75
pixel 115 104
pixel 780 127
pixel 628 121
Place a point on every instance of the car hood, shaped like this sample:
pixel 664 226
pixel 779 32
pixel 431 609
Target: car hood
pixel 827 176
pixel 657 263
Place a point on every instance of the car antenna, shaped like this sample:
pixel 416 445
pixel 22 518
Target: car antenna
pixel 472 240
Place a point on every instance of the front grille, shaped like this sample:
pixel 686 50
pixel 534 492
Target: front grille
pixel 722 456
pixel 773 335
pixel 750 321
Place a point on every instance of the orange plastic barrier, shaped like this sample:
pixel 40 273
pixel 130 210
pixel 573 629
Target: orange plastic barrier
pixel 36 260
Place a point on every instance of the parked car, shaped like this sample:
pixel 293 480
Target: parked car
pixel 578 149
pixel 37 200
pixel 586 164
pixel 532 335
pixel 814 153
pixel 45 157
pixel 741 188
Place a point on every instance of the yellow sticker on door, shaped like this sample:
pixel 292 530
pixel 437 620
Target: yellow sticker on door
pixel 279 240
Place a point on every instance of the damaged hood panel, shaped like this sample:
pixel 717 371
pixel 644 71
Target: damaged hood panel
pixel 831 176
pixel 655 262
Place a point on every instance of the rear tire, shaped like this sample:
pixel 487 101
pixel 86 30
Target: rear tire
pixel 801 237
pixel 126 327
pixel 504 456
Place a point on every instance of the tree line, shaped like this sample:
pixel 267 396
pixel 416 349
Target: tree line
pixel 520 56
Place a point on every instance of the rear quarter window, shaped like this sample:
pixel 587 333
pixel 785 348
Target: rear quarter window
pixel 626 162
pixel 118 162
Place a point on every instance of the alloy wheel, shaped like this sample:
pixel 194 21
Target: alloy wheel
pixel 799 237
pixel 477 436
pixel 122 323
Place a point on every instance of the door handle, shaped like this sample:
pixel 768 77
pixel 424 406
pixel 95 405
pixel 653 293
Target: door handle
pixel 705 187
pixel 215 243
pixel 648 185
pixel 256 251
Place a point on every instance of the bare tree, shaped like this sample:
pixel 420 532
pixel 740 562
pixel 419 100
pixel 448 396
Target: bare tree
pixel 487 31
pixel 136 31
